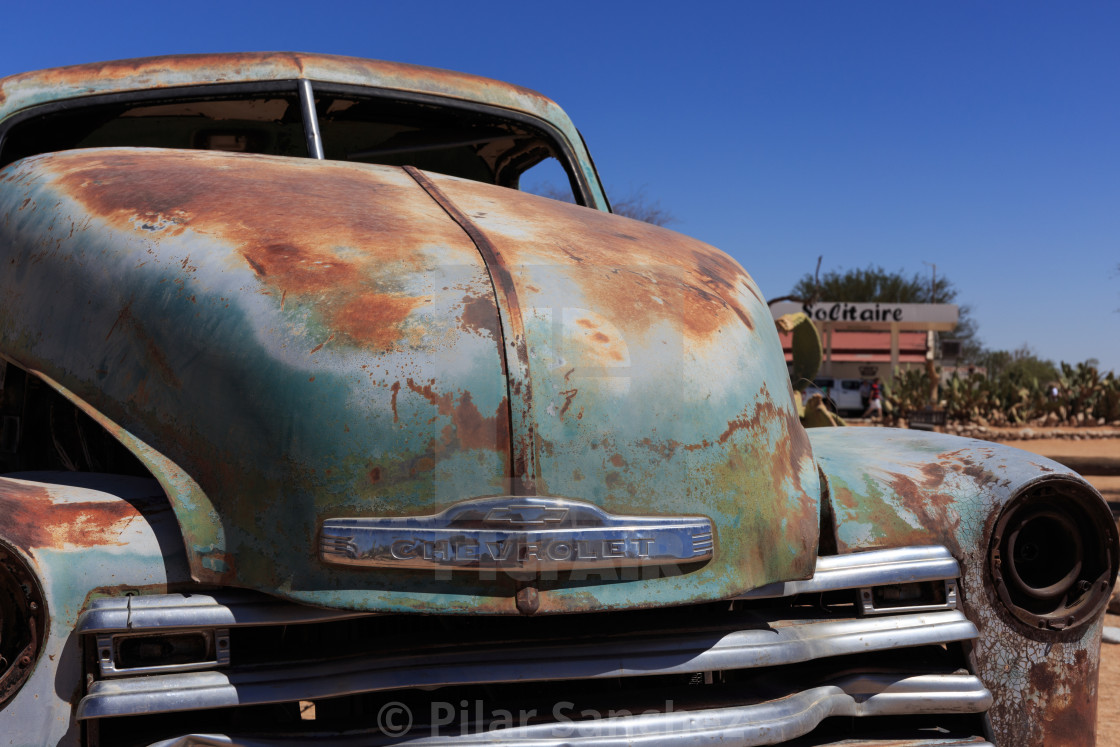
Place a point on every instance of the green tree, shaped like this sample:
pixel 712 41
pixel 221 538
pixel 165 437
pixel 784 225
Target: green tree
pixel 1021 366
pixel 877 285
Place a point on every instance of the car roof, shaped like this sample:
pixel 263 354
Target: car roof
pixel 24 90
pixel 147 73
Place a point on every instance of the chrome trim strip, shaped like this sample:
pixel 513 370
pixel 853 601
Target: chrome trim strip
pixel 520 533
pixel 896 565
pixel 224 609
pixel 232 608
pixel 764 723
pixel 773 644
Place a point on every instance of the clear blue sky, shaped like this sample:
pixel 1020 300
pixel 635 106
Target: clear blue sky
pixel 982 137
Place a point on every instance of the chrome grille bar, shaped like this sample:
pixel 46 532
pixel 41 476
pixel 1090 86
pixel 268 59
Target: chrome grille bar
pixel 896 565
pixel 238 608
pixel 768 644
pixel 220 609
pixel 771 722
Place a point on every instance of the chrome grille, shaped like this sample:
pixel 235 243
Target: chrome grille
pixel 775 665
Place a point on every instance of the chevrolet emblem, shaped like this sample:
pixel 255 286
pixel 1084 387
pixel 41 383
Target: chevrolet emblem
pixel 525 515
pixel 517 533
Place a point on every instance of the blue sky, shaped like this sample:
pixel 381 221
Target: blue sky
pixel 982 137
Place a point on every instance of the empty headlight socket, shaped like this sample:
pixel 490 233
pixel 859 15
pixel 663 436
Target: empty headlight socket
pixel 1053 555
pixel 23 616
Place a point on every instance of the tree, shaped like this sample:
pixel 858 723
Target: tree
pixel 637 204
pixel 876 285
pixel 1020 366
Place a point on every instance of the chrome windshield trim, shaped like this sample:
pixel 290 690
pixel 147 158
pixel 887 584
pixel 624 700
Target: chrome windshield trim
pixel 768 644
pixel 895 565
pixel 223 609
pixel 310 120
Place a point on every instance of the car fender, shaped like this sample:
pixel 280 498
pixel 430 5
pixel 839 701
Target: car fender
pixel 888 487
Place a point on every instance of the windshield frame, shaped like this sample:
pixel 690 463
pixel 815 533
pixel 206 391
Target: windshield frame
pixel 583 192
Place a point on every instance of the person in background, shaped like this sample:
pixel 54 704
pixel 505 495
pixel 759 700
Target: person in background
pixel 875 400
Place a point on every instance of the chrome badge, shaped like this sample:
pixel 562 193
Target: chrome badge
pixel 517 533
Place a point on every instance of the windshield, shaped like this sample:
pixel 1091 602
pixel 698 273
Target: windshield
pixel 468 141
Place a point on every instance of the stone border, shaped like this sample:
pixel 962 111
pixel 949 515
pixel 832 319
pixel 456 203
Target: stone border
pixel 1028 433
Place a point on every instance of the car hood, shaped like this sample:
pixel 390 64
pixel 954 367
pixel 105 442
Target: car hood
pixel 287 342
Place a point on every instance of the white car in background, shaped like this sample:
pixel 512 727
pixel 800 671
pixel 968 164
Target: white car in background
pixel 840 395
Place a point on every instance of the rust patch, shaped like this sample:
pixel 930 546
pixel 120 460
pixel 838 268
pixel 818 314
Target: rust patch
pixel 377 324
pixel 964 462
pixel 480 316
pixel 475 431
pixel 568 396
pixel 1070 712
pixel 468 426
pixel 33 520
pixel 171 68
pixel 395 389
pixel 760 412
pixel 935 509
pixel 319 347
pixel 634 278
pixel 442 402
pixel 933 474
pixel 331 236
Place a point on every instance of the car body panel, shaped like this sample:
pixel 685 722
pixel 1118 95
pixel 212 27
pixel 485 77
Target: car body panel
pixel 284 342
pixel 348 325
pixel 85 536
pixel 890 486
pixel 651 381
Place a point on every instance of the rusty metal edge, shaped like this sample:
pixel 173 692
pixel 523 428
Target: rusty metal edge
pixel 515 356
pixel 179 487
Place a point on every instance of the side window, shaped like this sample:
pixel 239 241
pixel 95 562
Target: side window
pixel 266 124
pixel 547 179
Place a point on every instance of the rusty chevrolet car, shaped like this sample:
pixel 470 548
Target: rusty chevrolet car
pixel 315 427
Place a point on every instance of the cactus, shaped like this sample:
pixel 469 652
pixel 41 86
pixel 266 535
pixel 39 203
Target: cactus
pixel 816 415
pixel 807 349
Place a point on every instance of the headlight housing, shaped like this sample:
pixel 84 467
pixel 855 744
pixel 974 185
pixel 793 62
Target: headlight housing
pixel 1053 556
pixel 23 617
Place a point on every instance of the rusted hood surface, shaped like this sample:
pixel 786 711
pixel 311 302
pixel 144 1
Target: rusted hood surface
pixel 299 340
